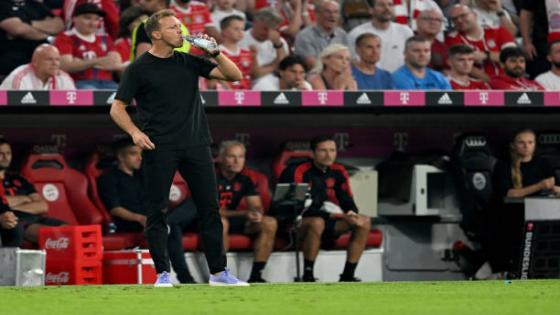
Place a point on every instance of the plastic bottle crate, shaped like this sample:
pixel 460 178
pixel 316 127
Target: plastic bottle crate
pixel 64 272
pixel 68 242
pixel 128 267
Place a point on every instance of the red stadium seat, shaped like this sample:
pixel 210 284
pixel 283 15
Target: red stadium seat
pixel 93 170
pixel 64 189
pixel 261 181
pixel 287 157
pixel 179 191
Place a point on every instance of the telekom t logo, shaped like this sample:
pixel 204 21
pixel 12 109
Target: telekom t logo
pixel 239 97
pixel 323 97
pixel 484 97
pixel 404 97
pixel 71 97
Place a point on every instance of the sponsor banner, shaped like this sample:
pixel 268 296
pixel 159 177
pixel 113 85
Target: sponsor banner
pixel 3 98
pixel 239 98
pixel 209 98
pixel 404 98
pixel 363 99
pixel 281 98
pixel 31 98
pixel 484 98
pixel 552 99
pixel 443 98
pixel 71 98
pixel 104 98
pixel 524 99
pixel 322 98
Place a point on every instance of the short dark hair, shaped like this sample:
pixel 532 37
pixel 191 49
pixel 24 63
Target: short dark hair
pixel 290 61
pixel 3 141
pixel 127 17
pixel 511 52
pixel 152 23
pixel 460 49
pixel 414 39
pixel 122 144
pixel 365 36
pixel 552 44
pixel 319 139
pixel 225 22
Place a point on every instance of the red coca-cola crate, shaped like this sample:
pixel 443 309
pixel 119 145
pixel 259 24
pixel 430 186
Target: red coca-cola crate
pixel 64 271
pixel 72 242
pixel 128 267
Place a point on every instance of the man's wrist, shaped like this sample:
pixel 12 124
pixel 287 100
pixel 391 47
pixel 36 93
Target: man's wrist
pixel 277 45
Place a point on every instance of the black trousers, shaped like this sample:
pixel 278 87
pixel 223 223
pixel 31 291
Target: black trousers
pixel 197 168
pixel 180 220
pixel 11 237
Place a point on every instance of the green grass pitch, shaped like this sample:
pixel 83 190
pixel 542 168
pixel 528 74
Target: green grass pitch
pixel 402 298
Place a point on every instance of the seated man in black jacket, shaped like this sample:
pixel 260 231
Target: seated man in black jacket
pixel 330 188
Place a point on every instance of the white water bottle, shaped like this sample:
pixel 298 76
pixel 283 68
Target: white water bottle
pixel 201 43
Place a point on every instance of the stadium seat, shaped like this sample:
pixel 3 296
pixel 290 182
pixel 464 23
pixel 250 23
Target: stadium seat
pixel 549 149
pixel 261 181
pixel 64 189
pixel 473 164
pixel 287 157
pixel 95 167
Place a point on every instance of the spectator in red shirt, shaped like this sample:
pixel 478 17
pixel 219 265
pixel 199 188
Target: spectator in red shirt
pixel 429 24
pixel 461 61
pixel 195 16
pixel 130 19
pixel 513 60
pixel 88 57
pixel 232 33
pixel 109 23
pixel 487 42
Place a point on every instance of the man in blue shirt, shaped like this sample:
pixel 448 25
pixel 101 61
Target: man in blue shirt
pixel 415 74
pixel 365 72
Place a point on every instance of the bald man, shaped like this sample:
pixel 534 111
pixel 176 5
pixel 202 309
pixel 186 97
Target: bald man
pixel 43 73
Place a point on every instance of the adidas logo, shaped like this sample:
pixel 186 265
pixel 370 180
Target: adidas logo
pixel 111 98
pixel 524 99
pixel 363 99
pixel 28 99
pixel 281 99
pixel 445 100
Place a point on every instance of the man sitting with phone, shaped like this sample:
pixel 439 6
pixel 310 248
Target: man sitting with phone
pixel 332 211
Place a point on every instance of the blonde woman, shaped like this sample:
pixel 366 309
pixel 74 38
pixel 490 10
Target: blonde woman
pixel 523 174
pixel 333 70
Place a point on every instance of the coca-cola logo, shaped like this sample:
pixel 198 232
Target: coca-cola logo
pixel 61 277
pixel 59 243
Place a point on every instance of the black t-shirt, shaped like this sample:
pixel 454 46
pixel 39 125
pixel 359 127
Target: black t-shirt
pixel 540 24
pixel 17 51
pixel 170 110
pixel 232 191
pixel 16 185
pixel 332 185
pixel 532 172
pixel 118 189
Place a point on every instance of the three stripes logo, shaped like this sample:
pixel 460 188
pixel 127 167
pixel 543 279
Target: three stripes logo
pixel 28 99
pixel 524 99
pixel 281 99
pixel 363 99
pixel 445 100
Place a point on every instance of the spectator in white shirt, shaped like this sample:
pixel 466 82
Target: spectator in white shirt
pixel 222 10
pixel 263 37
pixel 491 14
pixel 550 80
pixel 290 76
pixel 393 36
pixel 43 73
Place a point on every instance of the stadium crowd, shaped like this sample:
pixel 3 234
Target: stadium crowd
pixel 293 44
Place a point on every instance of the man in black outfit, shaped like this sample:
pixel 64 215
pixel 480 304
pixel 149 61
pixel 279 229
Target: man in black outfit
pixel 330 189
pixel 121 188
pixel 11 231
pixel 164 84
